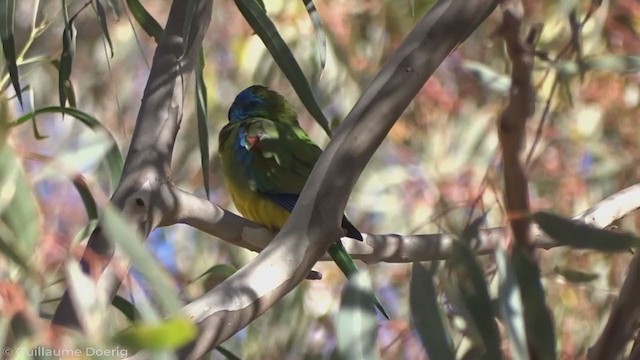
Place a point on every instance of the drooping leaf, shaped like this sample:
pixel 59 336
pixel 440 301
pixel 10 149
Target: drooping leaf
pixel 7 13
pixel 281 53
pixel 169 335
pixel 541 337
pixel 582 236
pixel 87 199
pixel 468 277
pixel 356 324
pixel 102 17
pixel 426 315
pixel 127 238
pixel 113 158
pixel 226 353
pixel 19 215
pixel 321 37
pixel 66 59
pixel 126 308
pixel 511 308
pixel 203 117
pixel 89 304
pixel 145 20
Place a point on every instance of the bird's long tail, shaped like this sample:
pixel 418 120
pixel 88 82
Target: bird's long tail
pixel 344 261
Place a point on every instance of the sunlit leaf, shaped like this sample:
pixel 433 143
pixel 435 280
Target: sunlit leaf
pixel 511 308
pixel 88 303
pixel 582 236
pixel 262 25
pixel 426 315
pixel 19 215
pixel 321 37
pixel 203 119
pixel 145 20
pixel 102 17
pixel 538 323
pixel 488 77
pixel 7 13
pixel 356 325
pixel 127 238
pixel 168 335
pixel 113 158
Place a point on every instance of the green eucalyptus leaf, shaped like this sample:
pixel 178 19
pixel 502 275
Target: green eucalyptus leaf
pixel 203 117
pixel 582 236
pixel 356 325
pixel 426 315
pixel 102 17
pixel 145 20
pixel 168 335
pixel 113 158
pixel 266 30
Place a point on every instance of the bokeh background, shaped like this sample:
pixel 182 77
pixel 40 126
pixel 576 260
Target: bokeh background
pixel 437 168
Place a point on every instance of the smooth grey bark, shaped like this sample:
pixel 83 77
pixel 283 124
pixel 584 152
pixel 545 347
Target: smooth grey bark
pixel 314 223
pixel 145 193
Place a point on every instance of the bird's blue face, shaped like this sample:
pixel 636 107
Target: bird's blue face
pixel 248 104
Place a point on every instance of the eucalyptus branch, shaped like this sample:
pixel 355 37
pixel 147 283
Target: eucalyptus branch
pixel 144 193
pixel 314 223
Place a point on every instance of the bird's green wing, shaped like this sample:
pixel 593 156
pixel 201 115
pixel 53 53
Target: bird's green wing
pixel 278 158
pixel 282 156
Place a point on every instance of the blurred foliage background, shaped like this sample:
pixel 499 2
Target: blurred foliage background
pixel 439 164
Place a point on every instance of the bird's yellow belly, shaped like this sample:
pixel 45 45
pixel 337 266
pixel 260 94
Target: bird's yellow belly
pixel 261 210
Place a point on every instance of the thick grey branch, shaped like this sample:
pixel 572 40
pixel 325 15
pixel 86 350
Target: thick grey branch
pixel 143 192
pixel 314 223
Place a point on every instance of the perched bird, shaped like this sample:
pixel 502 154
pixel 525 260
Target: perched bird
pixel 266 160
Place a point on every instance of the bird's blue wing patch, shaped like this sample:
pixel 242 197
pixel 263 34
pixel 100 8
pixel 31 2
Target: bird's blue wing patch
pixel 287 201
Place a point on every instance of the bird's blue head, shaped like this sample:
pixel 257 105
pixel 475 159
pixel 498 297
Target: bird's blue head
pixel 260 101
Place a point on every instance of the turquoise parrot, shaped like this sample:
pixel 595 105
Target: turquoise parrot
pixel 266 160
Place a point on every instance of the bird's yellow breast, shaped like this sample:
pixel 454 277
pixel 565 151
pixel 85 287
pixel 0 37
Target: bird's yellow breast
pixel 251 204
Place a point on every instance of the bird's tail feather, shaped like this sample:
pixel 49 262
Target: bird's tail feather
pixel 344 261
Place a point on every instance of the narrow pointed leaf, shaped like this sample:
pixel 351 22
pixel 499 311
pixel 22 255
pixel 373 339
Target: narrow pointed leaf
pixel 87 199
pixel 203 117
pixel 126 308
pixel 582 236
pixel 7 13
pixel 266 30
pixel 538 323
pixel 468 277
pixel 170 334
pixel 426 316
pixel 511 308
pixel 321 37
pixel 127 238
pixel 226 353
pixel 89 306
pixel 19 214
pixel 357 328
pixel 102 17
pixel 113 158
pixel 145 20
pixel 66 59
